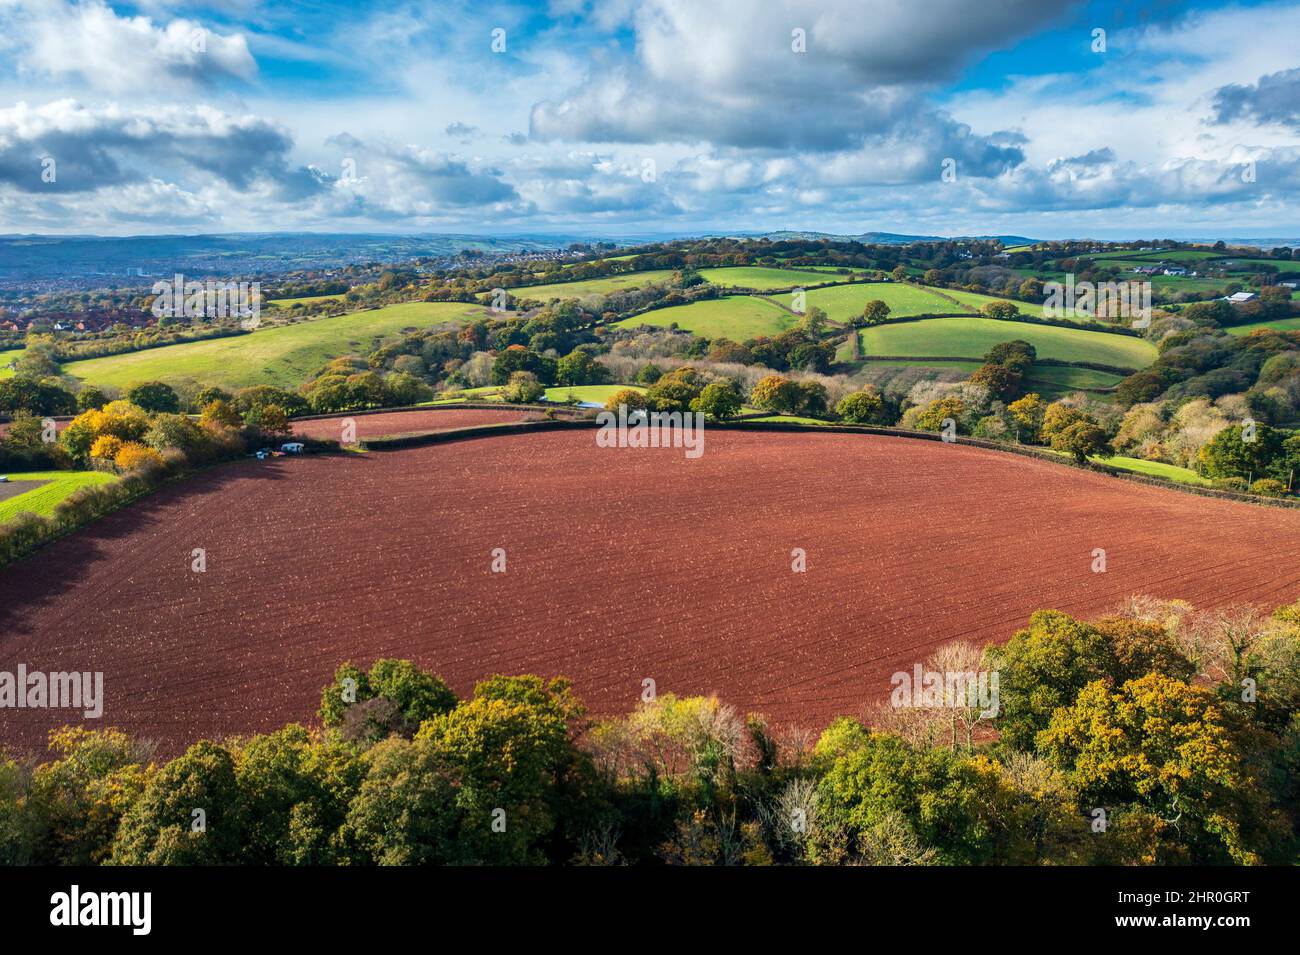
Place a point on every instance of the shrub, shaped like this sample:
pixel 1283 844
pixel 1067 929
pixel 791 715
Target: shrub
pixel 861 407
pixel 776 393
pixel 1268 487
pixel 106 446
pixel 133 454
pixel 628 396
pixel 523 388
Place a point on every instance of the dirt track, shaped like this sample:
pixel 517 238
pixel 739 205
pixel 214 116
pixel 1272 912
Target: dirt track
pixel 623 564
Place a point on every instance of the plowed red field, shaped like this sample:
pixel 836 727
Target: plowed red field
pixel 622 565
pixel 404 422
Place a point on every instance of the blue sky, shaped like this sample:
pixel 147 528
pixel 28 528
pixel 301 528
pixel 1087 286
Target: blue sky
pixel 924 116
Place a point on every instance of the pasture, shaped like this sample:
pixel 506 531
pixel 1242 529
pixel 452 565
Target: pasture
pixel 974 301
pixel 6 357
pixel 760 278
pixel 973 337
pixel 54 487
pixel 843 303
pixel 280 355
pixel 738 317
pixel 589 289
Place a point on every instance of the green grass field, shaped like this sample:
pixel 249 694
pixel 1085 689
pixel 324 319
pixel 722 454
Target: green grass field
pixel 757 277
pixel 282 355
pixel 5 358
pixel 593 393
pixel 1279 325
pixel 591 288
pixel 305 300
pixel 1062 376
pixel 974 301
pixel 1049 381
pixel 973 337
pixel 845 302
pixel 1172 284
pixel 789 419
pixel 738 317
pixel 42 500
pixel 1170 472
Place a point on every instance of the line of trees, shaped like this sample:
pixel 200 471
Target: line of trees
pixel 1156 735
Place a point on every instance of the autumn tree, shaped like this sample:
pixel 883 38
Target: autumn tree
pixel 861 407
pixel 1166 747
pixel 875 312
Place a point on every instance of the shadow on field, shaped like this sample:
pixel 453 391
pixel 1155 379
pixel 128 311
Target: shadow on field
pixel 41 578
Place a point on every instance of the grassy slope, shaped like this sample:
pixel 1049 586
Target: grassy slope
pixel 738 317
pixel 599 393
pixel 973 337
pixel 281 355
pixel 790 419
pixel 304 300
pixel 41 500
pixel 975 301
pixel 1170 472
pixel 1280 325
pixel 5 358
pixel 757 277
pixel 590 288
pixel 844 302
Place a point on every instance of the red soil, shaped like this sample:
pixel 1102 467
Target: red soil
pixel 404 422
pixel 623 564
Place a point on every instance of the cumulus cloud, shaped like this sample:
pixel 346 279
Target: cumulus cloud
pixel 729 73
pixel 93 148
pixel 388 181
pixel 120 54
pixel 1274 99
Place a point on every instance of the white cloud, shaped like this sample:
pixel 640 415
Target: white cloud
pixel 120 54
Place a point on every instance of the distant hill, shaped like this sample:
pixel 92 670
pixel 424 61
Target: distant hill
pixel 894 238
pixel 143 259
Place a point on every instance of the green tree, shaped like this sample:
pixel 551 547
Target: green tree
pixel 268 419
pixel 154 396
pixel 523 388
pixel 1044 666
pixel 939 410
pixel 861 407
pixel 36 397
pixel 1028 414
pixel 1167 748
pixel 675 390
pixel 579 368
pixel 191 813
pixel 410 696
pixel 1001 311
pixel 1232 452
pixel 875 312
pixel 1083 439
pixel 89 399
pixel 776 393
pixel 626 396
pixel 720 400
